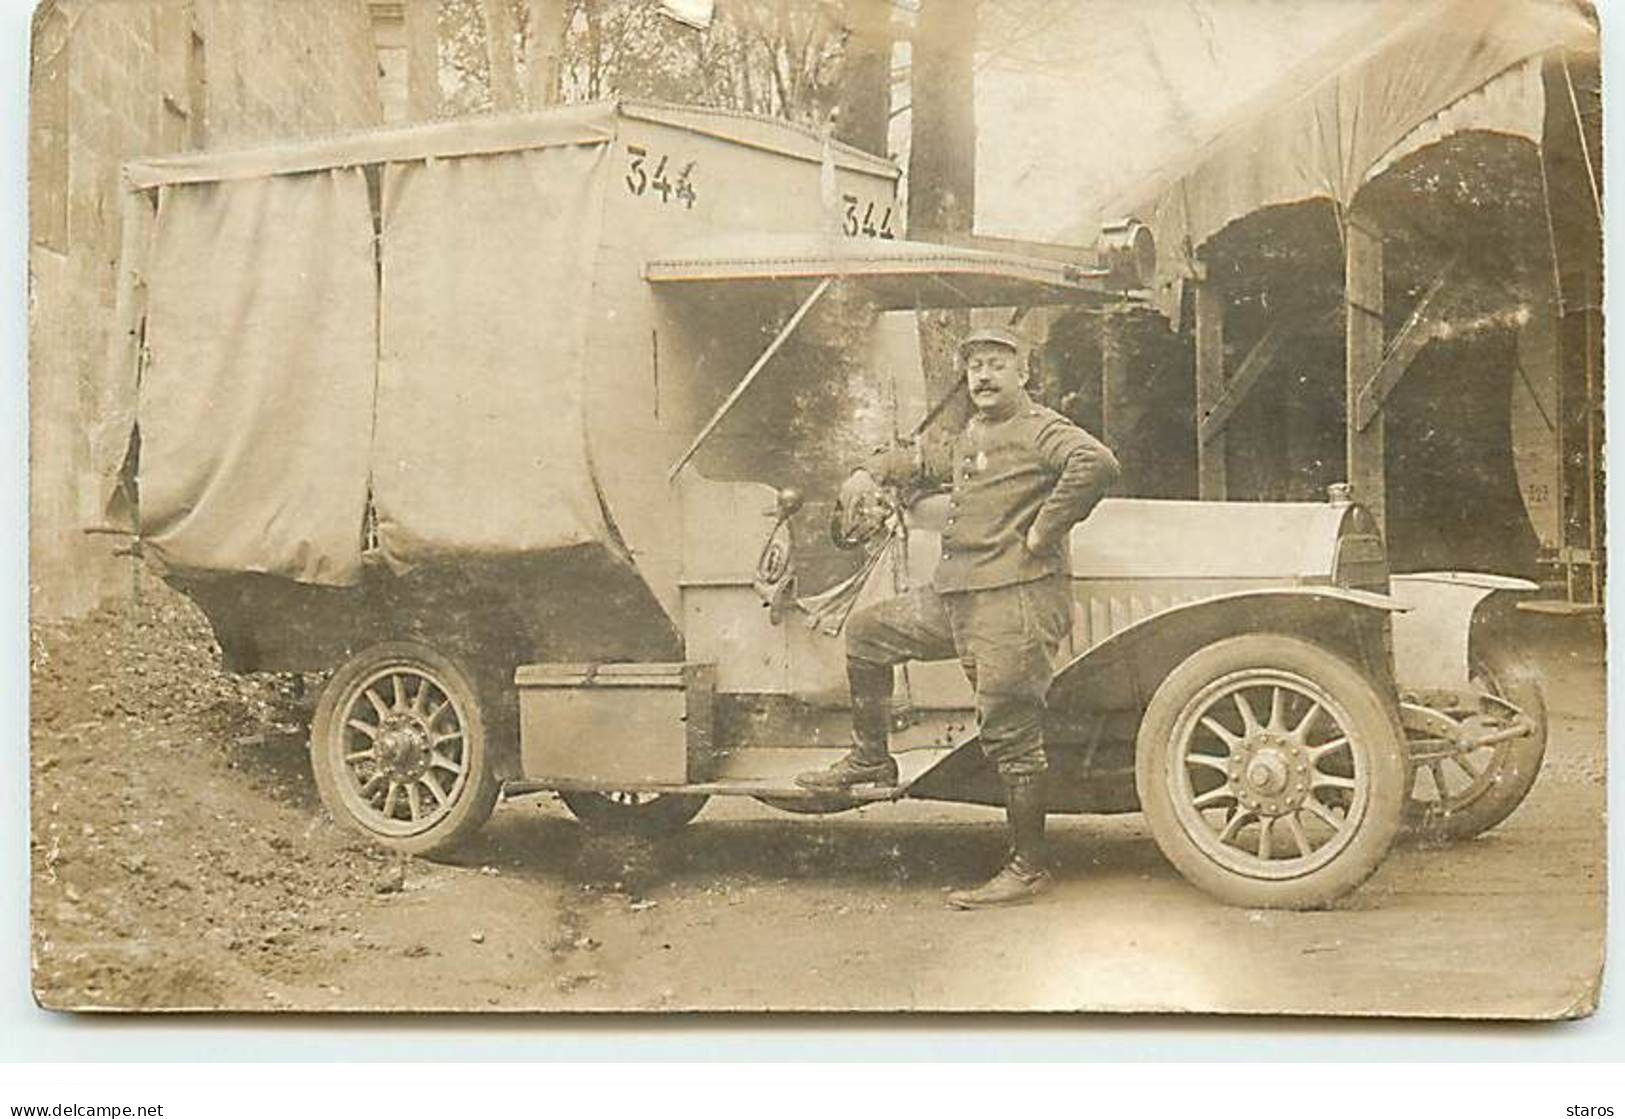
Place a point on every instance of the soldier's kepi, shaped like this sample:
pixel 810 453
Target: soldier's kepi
pixel 1021 475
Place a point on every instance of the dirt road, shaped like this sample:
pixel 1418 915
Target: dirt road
pixel 181 860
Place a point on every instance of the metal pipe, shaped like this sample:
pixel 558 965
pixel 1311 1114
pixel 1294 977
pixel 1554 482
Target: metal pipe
pixel 750 376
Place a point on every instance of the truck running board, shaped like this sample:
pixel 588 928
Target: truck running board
pixel 774 790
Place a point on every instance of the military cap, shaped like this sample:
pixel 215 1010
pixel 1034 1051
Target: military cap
pixel 996 336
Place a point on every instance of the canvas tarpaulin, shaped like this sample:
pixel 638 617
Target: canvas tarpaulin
pixel 481 442
pixel 255 406
pixel 286 384
pixel 1412 74
pixel 482 135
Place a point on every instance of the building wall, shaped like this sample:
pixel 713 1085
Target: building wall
pixel 111 80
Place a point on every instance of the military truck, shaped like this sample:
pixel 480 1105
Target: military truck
pixel 522 431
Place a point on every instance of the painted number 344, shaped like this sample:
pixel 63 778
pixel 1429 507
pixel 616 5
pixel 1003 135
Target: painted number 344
pixel 872 220
pixel 644 179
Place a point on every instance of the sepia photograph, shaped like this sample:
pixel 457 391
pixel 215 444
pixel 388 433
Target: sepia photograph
pixel 817 506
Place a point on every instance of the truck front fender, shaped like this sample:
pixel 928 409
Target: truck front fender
pixel 1432 640
pixel 1121 672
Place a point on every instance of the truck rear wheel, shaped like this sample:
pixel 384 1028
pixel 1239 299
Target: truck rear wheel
pixel 1271 772
pixel 630 813
pixel 400 749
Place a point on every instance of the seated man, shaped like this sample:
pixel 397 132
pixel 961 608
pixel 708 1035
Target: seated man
pixel 1022 476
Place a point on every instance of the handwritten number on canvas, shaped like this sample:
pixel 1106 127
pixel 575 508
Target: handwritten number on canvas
pixel 636 180
pixel 640 181
pixel 660 182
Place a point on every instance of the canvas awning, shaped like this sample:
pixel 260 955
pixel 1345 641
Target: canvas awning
pixel 897 275
pixel 1411 75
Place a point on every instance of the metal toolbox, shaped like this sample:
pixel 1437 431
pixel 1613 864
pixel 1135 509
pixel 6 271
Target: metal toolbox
pixel 606 725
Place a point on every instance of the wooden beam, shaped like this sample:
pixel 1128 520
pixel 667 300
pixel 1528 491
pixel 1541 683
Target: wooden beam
pixel 1362 299
pixel 1408 344
pixel 1210 455
pixel 1212 422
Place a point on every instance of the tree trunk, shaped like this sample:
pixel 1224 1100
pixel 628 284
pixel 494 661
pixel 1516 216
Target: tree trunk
pixel 499 52
pixel 865 96
pixel 942 171
pixel 942 155
pixel 422 59
pixel 595 51
pixel 544 51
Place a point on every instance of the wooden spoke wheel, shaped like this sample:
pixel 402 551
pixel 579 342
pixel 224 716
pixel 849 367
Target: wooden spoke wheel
pixel 399 749
pixel 1467 792
pixel 1271 772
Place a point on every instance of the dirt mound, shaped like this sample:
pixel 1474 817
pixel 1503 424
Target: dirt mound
pixel 179 856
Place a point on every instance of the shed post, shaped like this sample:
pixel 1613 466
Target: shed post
pixel 1210 455
pixel 1116 418
pixel 1362 302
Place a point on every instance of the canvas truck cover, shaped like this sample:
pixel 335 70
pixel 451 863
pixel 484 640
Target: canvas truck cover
pixel 314 342
pixel 464 340
pixel 407 345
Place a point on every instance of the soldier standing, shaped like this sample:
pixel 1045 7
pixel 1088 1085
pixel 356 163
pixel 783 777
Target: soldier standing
pixel 1022 475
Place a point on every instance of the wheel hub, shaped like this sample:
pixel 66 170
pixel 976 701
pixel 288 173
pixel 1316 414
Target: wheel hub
pixel 1266 773
pixel 404 747
pixel 1270 774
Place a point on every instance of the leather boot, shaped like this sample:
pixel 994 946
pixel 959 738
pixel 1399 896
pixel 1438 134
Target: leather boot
pixel 1025 873
pixel 870 762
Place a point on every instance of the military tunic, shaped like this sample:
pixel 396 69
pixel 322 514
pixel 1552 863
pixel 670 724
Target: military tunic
pixel 1002 609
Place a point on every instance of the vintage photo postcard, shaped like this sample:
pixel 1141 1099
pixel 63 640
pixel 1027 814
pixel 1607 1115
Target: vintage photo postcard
pixel 838 505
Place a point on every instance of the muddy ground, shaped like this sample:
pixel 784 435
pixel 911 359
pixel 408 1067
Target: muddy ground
pixel 181 859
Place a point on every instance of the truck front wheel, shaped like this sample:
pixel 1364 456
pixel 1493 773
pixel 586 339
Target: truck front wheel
pixel 1471 791
pixel 1271 772
pixel 400 749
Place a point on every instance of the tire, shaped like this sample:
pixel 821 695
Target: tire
pixel 431 782
pixel 1456 799
pixel 645 814
pixel 1329 758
